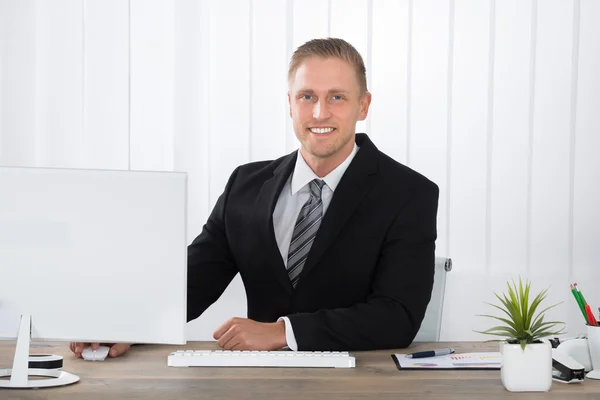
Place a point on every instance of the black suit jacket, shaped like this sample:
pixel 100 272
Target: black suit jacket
pixel 368 277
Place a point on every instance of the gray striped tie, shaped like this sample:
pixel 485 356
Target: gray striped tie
pixel 305 231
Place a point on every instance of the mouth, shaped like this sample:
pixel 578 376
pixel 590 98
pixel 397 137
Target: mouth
pixel 321 130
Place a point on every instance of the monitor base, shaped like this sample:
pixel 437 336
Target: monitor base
pixel 55 378
pixel 20 372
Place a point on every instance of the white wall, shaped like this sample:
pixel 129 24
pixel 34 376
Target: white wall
pixel 496 101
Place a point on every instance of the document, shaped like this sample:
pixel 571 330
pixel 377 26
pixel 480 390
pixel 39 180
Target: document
pixel 491 360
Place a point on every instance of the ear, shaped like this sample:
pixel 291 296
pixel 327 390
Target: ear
pixel 365 102
pixel 290 104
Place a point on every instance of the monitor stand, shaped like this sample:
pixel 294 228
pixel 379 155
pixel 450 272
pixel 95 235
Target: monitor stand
pixel 20 371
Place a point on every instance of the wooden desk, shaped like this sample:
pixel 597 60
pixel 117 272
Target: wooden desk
pixel 142 373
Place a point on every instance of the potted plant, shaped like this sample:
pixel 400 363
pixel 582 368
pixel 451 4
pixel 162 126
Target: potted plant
pixel 526 359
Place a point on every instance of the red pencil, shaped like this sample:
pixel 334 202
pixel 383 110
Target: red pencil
pixel 590 314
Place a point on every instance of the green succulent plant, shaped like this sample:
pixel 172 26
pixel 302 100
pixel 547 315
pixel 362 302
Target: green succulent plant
pixel 522 326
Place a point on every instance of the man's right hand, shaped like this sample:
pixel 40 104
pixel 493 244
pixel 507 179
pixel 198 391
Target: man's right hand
pixel 116 349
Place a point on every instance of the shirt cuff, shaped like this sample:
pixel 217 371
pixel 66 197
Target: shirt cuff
pixel 290 338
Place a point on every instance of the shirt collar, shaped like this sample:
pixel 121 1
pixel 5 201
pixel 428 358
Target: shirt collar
pixel 302 173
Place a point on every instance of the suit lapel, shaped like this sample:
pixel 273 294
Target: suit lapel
pixel 263 214
pixel 352 189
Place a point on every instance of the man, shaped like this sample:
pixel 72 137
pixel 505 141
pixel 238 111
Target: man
pixel 334 243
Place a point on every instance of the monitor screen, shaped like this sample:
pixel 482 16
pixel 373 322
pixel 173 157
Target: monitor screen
pixel 93 255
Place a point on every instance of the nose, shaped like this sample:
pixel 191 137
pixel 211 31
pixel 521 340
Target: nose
pixel 320 110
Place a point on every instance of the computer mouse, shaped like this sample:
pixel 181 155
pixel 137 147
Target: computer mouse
pixel 95 355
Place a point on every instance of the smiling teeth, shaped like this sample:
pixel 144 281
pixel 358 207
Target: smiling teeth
pixel 321 130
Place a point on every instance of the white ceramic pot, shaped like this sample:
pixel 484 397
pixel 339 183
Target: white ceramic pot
pixel 528 370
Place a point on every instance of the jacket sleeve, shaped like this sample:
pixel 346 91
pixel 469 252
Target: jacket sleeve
pixel 210 264
pixel 401 289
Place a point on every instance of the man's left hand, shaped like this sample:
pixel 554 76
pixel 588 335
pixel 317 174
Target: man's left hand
pixel 246 334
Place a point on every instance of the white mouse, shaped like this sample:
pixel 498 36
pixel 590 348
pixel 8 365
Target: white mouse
pixel 95 355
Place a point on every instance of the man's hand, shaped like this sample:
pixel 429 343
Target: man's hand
pixel 246 334
pixel 116 349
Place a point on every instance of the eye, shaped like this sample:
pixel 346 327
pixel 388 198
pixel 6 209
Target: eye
pixel 306 97
pixel 337 97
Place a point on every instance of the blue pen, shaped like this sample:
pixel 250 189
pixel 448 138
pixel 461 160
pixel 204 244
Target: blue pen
pixel 431 353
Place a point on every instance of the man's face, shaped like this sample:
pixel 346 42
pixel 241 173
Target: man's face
pixel 325 104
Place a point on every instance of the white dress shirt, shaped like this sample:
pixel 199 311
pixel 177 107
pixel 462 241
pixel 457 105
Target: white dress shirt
pixel 294 194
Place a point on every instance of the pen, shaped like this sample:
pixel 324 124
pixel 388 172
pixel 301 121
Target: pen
pixel 431 353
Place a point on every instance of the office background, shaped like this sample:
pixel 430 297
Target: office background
pixel 497 101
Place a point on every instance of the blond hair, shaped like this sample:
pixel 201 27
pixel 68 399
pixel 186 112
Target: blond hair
pixel 330 48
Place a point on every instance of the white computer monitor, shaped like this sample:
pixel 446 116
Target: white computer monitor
pixel 91 256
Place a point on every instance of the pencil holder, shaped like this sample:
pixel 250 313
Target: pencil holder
pixel 593 332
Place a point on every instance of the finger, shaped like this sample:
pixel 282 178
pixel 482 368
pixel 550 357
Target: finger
pixel 227 336
pixel 234 342
pixel 118 348
pixel 238 346
pixel 95 346
pixel 79 346
pixel 223 328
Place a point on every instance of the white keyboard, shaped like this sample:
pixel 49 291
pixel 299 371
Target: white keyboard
pixel 227 358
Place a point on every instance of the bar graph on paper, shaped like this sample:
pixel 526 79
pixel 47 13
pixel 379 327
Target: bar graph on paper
pixel 490 360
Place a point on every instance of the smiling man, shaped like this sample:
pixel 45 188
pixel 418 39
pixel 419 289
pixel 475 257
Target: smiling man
pixel 326 99
pixel 334 242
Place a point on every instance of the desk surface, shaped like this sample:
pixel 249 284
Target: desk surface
pixel 142 373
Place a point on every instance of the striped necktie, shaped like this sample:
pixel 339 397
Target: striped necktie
pixel 305 231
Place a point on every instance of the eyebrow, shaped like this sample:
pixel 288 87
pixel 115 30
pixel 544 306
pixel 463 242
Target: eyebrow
pixel 331 91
